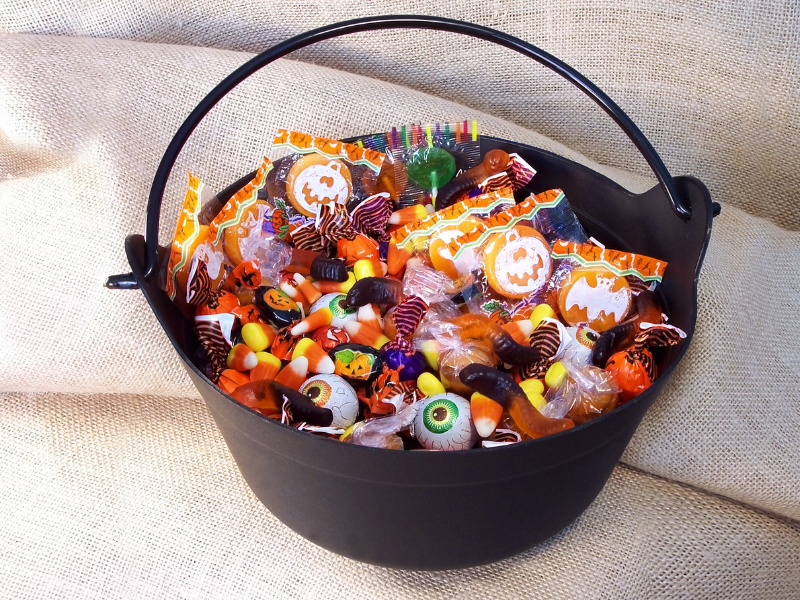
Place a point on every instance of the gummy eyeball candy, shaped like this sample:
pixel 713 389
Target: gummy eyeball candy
pixel 337 305
pixel 334 393
pixel 444 422
pixel 581 344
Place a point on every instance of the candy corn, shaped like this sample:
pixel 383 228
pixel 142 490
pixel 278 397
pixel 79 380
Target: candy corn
pixel 318 360
pixel 519 330
pixel 370 315
pixel 319 318
pixel 430 350
pixel 241 358
pixel 330 287
pixel 542 311
pixel 369 267
pixel 306 288
pixel 409 214
pixel 429 385
pixel 267 368
pixel 486 414
pixel 398 257
pixel 229 380
pixel 555 374
pixel 294 374
pixel 258 336
pixel 290 290
pixel 534 389
pixel 363 334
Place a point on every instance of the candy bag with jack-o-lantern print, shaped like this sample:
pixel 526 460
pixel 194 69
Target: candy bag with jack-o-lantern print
pixel 592 285
pixel 507 252
pixel 322 171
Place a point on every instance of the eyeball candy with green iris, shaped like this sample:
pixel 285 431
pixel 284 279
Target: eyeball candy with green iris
pixel 444 422
pixel 340 311
pixel 334 393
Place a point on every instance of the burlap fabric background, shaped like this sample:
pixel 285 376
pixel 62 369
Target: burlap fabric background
pixel 130 495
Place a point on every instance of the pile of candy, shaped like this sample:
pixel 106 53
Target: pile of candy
pixel 393 293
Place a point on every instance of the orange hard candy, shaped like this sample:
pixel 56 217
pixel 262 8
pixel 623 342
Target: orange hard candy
pixel 360 248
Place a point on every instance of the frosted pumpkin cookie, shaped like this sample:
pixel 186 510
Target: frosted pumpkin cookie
pixel 314 180
pixel 517 262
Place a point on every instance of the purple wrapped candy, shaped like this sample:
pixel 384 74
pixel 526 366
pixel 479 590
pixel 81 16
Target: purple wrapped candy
pixel 413 364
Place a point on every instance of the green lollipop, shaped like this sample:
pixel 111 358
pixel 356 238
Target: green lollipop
pixel 431 167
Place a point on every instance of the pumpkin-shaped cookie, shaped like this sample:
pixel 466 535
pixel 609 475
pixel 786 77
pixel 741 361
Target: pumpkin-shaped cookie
pixel 315 180
pixel 517 262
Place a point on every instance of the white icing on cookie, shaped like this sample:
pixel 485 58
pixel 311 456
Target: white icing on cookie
pixel 320 184
pixel 522 266
pixel 600 299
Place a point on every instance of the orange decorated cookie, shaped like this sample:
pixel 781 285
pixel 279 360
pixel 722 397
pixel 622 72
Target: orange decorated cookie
pixel 517 262
pixel 595 296
pixel 445 240
pixel 314 180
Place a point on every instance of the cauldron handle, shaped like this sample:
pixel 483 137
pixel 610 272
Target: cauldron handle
pixel 392 22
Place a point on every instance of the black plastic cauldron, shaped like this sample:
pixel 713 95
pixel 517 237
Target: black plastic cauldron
pixel 445 510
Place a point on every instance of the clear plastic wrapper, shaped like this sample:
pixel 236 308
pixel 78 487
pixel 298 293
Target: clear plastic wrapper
pixel 381 432
pixel 586 393
pixel 429 284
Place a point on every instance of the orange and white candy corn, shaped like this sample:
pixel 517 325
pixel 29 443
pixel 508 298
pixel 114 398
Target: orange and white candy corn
pixel 486 414
pixel 290 290
pixel 409 214
pixel 318 360
pixel 363 334
pixel 370 316
pixel 241 358
pixel 306 288
pixel 267 368
pixel 520 330
pixel 319 318
pixel 335 287
pixel 294 374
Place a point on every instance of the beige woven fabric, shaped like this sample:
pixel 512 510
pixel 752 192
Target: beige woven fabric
pixel 137 497
pixel 83 124
pixel 713 85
